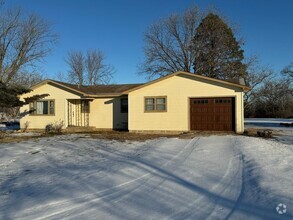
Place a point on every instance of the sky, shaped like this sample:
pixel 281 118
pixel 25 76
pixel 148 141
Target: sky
pixel 117 28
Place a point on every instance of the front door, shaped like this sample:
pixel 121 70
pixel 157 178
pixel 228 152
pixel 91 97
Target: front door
pixel 78 113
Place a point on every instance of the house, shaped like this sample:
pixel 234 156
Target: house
pixel 178 102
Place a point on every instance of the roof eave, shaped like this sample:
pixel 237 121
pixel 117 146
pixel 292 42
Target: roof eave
pixel 83 94
pixel 245 88
pixel 107 95
pixel 58 84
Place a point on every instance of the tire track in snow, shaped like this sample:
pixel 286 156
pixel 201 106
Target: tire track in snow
pixel 207 203
pixel 157 180
pixel 241 193
pixel 112 191
pixel 236 181
pixel 173 167
pixel 255 200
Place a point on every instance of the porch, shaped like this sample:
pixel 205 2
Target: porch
pixel 78 112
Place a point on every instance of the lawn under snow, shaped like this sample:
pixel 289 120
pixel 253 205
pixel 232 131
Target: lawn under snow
pixel 77 177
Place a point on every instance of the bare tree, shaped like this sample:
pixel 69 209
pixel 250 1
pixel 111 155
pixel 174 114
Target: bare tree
pixel 288 71
pixel 24 41
pixel 61 76
pixel 256 76
pixel 168 44
pixel 275 99
pixel 287 74
pixel 75 61
pixel 27 79
pixel 88 69
pixel 271 94
pixel 97 71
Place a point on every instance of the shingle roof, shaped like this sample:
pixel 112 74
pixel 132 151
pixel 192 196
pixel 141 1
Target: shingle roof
pixel 121 89
pixel 100 89
pixel 93 91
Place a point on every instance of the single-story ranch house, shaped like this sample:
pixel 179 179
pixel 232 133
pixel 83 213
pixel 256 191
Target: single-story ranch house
pixel 177 102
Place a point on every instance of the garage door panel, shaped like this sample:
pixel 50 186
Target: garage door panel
pixel 211 114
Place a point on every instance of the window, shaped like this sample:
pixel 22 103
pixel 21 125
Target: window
pixel 202 101
pixel 43 107
pixel 124 105
pixel 222 101
pixel 155 104
pixel 52 108
pixel 85 106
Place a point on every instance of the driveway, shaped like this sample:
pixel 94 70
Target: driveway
pixel 77 177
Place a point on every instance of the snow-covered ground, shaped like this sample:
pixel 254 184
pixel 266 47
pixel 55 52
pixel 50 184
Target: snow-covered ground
pixel 280 132
pixel 77 177
pixel 271 123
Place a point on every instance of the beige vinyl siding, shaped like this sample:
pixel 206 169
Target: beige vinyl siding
pixel 40 121
pixel 178 90
pixel 105 113
pixel 101 110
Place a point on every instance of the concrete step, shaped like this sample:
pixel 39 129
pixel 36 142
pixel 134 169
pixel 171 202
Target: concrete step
pixel 78 129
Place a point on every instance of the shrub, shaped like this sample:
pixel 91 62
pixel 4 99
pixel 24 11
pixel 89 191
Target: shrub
pixel 264 133
pixel 54 128
pixel 58 126
pixel 2 134
pixel 26 125
pixel 49 128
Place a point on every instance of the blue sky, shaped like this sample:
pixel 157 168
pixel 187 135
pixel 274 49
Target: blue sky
pixel 117 26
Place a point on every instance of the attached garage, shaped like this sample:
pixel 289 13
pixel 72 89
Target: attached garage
pixel 183 102
pixel 212 114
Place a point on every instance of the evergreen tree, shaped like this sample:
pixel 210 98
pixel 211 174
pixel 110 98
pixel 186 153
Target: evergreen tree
pixel 9 96
pixel 217 52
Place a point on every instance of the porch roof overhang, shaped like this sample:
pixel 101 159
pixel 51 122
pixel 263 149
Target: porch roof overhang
pixel 106 95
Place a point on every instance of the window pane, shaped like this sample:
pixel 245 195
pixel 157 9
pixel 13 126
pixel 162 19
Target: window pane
pixel 40 108
pixel 149 107
pixel 161 107
pixel 124 105
pixel 32 110
pixel 124 101
pixel 160 100
pixel 45 110
pixel 149 101
pixel 52 107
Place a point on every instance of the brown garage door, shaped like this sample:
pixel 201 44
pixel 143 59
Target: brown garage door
pixel 212 114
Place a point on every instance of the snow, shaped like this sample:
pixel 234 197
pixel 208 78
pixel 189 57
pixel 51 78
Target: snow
pixel 269 123
pixel 280 132
pixel 78 177
pixel 268 120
